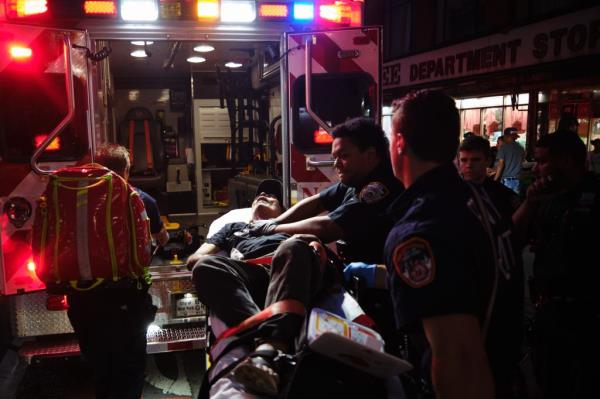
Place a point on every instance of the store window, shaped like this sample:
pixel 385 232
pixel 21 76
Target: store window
pixel 489 116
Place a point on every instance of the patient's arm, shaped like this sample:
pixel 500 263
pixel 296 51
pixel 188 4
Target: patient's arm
pixel 321 226
pixel 205 249
pixel 307 208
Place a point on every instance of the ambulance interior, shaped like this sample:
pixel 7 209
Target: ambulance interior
pixel 188 98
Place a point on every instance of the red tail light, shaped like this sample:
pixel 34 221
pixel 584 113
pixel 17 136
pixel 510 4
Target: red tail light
pixel 322 137
pixel 25 8
pixel 20 53
pixel 54 145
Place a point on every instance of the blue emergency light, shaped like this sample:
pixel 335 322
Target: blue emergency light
pixel 304 11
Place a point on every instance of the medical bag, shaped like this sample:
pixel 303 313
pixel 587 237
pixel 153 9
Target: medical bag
pixel 90 227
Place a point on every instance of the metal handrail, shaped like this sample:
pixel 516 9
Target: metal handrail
pixel 70 109
pixel 319 164
pixel 308 88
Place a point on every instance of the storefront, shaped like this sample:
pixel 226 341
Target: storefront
pixel 524 78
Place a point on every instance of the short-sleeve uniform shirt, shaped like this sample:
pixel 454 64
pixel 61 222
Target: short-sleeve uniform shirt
pixel 361 212
pixel 439 259
pixel 152 211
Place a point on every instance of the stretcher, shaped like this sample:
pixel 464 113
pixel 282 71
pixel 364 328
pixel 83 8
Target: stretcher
pixel 340 342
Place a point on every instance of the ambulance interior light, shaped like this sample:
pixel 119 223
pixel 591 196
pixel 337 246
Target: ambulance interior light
pixel 238 11
pixel 25 8
pixel 139 10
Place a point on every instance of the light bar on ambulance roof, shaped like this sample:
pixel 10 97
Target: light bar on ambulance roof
pixel 238 11
pixel 100 8
pixel 208 10
pixel 139 10
pixel 25 8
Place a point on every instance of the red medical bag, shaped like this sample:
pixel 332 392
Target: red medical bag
pixel 90 226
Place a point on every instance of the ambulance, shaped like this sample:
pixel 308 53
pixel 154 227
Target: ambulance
pixel 209 96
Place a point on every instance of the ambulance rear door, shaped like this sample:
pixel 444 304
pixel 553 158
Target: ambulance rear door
pixel 44 124
pixel 343 82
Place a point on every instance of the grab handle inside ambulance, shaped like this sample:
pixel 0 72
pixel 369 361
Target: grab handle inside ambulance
pixel 308 87
pixel 70 108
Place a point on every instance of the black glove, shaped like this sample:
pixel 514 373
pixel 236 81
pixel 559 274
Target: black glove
pixel 263 227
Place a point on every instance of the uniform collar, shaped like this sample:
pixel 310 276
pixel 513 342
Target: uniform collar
pixel 429 182
pixel 383 171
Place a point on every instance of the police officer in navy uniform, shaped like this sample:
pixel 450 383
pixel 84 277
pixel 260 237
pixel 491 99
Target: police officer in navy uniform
pixel 449 274
pixel 356 204
pixel 561 214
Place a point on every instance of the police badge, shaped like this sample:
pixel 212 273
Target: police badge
pixel 373 192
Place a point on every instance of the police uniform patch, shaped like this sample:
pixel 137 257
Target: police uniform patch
pixel 373 192
pixel 414 262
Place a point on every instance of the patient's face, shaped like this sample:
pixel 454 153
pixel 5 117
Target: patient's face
pixel 265 206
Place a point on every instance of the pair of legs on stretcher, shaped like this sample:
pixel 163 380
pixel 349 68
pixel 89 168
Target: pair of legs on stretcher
pixel 236 290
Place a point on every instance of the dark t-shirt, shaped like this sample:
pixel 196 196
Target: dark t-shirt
pixel 235 237
pixel 513 154
pixel 151 210
pixel 439 260
pixel 360 212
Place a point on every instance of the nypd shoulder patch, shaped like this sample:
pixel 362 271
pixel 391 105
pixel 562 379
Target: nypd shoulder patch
pixel 414 262
pixel 373 192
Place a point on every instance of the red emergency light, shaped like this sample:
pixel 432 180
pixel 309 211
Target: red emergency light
pixel 25 8
pixel 347 13
pixel 322 137
pixel 20 53
pixel 100 8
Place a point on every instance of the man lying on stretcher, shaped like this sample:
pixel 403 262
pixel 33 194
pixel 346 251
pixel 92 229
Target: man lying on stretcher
pixel 235 290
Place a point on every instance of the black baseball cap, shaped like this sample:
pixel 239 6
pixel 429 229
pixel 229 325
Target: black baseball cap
pixel 273 187
pixel 510 131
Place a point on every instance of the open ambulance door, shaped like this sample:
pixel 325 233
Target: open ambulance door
pixel 328 77
pixel 45 124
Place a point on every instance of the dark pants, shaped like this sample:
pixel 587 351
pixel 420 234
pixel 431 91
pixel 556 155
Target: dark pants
pixel 566 350
pixel 111 327
pixel 235 290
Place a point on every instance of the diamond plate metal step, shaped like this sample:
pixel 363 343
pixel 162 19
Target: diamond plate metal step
pixel 169 339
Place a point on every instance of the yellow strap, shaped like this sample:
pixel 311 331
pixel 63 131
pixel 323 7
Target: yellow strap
pixel 133 236
pixel 44 211
pixel 56 230
pixel 74 285
pixel 101 180
pixel 109 232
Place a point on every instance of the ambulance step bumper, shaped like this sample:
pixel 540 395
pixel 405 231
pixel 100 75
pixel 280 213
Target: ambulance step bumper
pixel 167 339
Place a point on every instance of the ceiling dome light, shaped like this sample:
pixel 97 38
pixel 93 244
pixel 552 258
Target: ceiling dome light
pixel 232 64
pixel 141 43
pixel 195 59
pixel 204 48
pixel 138 54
